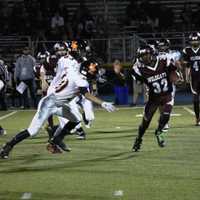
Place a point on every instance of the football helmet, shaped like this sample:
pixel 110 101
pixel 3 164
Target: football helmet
pixel 194 39
pixel 163 45
pixel 42 56
pixel 146 54
pixel 89 68
pixel 61 48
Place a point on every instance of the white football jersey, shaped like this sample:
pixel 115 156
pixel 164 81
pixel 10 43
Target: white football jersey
pixel 69 85
pixel 65 64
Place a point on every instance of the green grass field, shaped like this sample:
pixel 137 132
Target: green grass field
pixel 104 163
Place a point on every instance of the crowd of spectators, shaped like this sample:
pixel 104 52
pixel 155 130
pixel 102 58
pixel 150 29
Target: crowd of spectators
pixel 49 19
pixel 156 17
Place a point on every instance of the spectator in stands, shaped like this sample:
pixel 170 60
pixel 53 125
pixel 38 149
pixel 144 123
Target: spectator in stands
pixel 57 25
pixel 138 90
pixel 196 17
pixel 186 17
pixel 119 80
pixel 67 26
pixel 166 17
pixel 132 11
pixel 24 73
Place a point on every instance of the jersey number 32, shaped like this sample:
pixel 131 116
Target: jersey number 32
pixel 161 86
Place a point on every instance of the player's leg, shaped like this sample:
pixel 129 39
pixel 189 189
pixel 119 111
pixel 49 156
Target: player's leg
pixel 149 111
pixel 56 131
pixel 196 108
pixel 76 105
pixel 164 119
pixel 45 109
pixel 71 113
pixel 195 88
pixel 88 114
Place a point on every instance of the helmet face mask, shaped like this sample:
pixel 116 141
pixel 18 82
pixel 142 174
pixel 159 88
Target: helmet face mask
pixel 146 58
pixel 146 55
pixel 195 43
pixel 163 45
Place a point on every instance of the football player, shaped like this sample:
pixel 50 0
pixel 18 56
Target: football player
pixel 163 49
pixel 58 102
pixel 47 70
pixel 155 72
pixel 191 59
pixel 78 50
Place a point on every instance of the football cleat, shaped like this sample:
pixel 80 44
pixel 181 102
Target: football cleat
pixel 5 150
pixel 197 122
pixel 2 131
pixel 63 146
pixel 160 138
pixel 137 144
pixel 60 145
pixel 81 135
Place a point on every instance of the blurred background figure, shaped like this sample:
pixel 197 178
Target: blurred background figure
pixel 138 91
pixel 120 86
pixel 3 83
pixel 24 72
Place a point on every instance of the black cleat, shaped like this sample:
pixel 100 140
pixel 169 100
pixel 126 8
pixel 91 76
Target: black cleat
pixel 81 134
pixel 160 138
pixel 61 145
pixel 5 150
pixel 137 144
pixel 2 131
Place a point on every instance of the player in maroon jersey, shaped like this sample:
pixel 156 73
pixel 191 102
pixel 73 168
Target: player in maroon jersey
pixel 47 71
pixel 191 58
pixel 155 72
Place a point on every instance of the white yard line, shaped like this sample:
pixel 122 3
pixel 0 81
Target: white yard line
pixel 189 110
pixel 26 195
pixel 8 115
pixel 172 115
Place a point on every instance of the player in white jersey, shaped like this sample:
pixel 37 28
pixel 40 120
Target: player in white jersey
pixel 69 63
pixel 163 48
pixel 58 102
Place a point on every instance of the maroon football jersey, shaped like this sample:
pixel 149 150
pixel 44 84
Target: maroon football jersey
pixel 49 67
pixel 192 57
pixel 156 77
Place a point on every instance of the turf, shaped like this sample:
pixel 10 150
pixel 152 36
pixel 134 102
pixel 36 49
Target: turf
pixel 104 163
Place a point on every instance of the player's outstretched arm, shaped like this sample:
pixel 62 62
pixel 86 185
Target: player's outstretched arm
pixel 106 105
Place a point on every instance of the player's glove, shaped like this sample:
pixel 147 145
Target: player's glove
pixel 108 106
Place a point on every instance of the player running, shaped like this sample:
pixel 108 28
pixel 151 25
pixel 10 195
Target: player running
pixel 191 58
pixel 163 46
pixel 155 72
pixel 58 102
